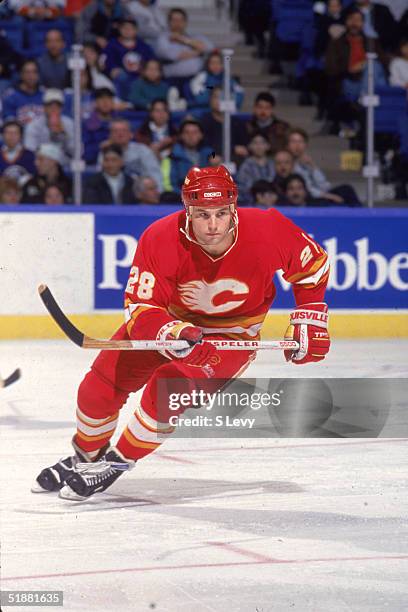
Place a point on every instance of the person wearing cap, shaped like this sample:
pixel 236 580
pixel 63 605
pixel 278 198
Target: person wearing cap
pixel 52 127
pixel 53 63
pixel 48 163
pixel 125 56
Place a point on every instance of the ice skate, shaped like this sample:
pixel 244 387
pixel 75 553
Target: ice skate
pixel 90 478
pixel 52 478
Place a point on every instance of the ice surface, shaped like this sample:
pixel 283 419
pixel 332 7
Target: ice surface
pixel 226 525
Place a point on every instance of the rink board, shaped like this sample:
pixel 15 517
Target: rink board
pixel 84 255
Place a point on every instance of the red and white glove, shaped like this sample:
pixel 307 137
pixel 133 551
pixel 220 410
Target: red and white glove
pixel 198 354
pixel 308 326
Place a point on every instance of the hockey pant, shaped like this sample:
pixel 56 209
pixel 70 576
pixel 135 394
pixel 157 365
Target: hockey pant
pixel 116 374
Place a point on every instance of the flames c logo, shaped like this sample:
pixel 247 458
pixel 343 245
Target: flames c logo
pixel 199 296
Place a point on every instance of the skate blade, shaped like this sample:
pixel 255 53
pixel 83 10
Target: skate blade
pixel 37 488
pixel 67 493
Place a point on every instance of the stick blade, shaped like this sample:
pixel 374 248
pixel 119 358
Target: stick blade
pixel 11 379
pixel 59 317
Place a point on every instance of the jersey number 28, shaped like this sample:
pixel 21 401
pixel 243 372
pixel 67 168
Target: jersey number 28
pixel 145 283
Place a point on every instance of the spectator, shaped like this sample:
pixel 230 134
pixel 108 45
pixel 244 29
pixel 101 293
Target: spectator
pixel 399 66
pixel 284 166
pixel 92 56
pixel 53 64
pixel 265 122
pixel 257 166
pixel 346 67
pixel 254 17
pixel 15 161
pixel 212 123
pixel 379 23
pixel 112 185
pixel 346 57
pixel 24 102
pixel 99 22
pixel 263 194
pixel 150 18
pixel 295 192
pixel 54 195
pixel 328 25
pixel 48 162
pixel 149 86
pixel 200 86
pixel 38 9
pixel 157 132
pixel 188 151
pixel 10 191
pixel 317 184
pixel 182 55
pixel 95 129
pixel 125 56
pixel 146 191
pixel 139 160
pixel 9 61
pixel 52 127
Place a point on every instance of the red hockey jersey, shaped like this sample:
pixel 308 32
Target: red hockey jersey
pixel 174 279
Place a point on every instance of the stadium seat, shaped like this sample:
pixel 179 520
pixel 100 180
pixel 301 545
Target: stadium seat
pixel 292 20
pixel 393 105
pixel 403 133
pixel 307 60
pixel 13 30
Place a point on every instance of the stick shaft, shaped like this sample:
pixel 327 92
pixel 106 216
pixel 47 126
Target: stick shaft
pixel 80 339
pixel 222 345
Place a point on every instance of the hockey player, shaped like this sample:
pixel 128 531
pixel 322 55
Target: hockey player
pixel 205 272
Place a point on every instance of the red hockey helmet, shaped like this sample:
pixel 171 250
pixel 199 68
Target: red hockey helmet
pixel 209 187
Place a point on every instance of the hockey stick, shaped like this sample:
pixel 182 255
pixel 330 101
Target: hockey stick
pixel 5 382
pixel 83 341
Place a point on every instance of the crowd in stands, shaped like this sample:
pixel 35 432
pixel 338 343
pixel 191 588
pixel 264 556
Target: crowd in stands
pixel 151 99
pixel 321 48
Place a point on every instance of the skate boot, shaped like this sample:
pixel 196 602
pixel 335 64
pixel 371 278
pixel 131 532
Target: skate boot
pixel 89 478
pixel 52 478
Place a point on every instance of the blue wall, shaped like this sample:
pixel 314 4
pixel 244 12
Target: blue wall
pixel 368 251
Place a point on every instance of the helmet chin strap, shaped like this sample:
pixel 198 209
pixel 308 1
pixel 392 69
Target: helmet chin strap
pixel 186 230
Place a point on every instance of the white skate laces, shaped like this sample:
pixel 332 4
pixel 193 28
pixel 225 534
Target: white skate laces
pixel 103 466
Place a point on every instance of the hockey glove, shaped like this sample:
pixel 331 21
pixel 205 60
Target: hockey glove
pixel 198 354
pixel 308 326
